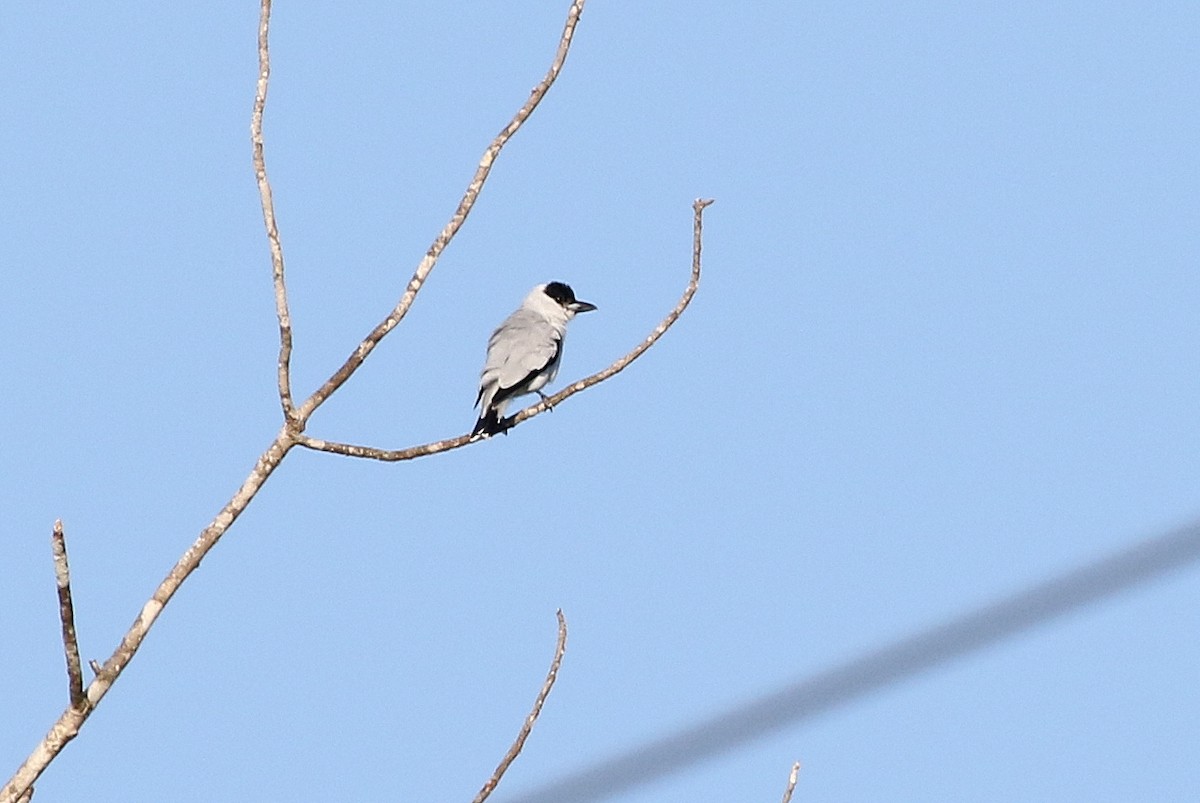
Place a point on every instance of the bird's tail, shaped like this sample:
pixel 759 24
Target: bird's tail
pixel 490 423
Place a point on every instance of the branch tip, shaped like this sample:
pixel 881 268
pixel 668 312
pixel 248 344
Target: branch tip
pixel 795 774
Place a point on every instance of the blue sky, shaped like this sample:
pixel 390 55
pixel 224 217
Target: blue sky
pixel 945 348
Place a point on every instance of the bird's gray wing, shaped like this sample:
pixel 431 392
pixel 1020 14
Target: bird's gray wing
pixel 523 346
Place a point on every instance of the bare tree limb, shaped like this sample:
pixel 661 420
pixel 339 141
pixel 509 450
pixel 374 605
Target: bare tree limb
pixel 66 727
pixel 69 722
pixel 452 226
pixel 527 726
pixel 386 455
pixel 284 316
pixel 26 796
pixel 66 613
pixel 791 787
pixel 436 447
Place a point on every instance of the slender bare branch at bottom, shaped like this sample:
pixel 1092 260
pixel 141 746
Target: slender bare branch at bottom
pixel 527 727
pixel 791 787
pixel 436 447
pixel 67 726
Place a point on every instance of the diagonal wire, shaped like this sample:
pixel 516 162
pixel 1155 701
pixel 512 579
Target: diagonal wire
pixel 884 667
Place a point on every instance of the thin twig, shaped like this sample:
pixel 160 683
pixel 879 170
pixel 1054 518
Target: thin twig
pixel 282 314
pixel 436 447
pixel 452 226
pixel 527 726
pixel 791 787
pixel 66 614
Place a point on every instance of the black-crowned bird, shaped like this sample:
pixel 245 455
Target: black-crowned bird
pixel 524 353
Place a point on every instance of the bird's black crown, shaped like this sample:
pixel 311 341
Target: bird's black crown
pixel 562 293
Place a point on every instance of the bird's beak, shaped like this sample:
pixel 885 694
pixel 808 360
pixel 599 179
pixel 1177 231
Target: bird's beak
pixel 581 306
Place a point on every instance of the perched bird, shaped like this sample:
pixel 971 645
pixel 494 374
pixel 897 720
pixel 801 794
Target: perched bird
pixel 524 353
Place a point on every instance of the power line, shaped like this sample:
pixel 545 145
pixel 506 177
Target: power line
pixel 875 670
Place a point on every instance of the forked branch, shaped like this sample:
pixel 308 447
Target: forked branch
pixel 83 700
pixel 19 786
pixel 527 726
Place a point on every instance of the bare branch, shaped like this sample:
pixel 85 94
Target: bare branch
pixel 26 796
pixel 455 223
pixel 698 207
pixel 515 750
pixel 66 613
pixel 791 787
pixel 282 313
pixel 386 455
pixel 69 722
pixel 436 447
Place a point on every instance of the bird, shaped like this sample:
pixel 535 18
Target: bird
pixel 524 353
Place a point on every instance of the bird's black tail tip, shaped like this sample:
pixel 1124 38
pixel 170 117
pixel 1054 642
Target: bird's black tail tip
pixel 490 423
